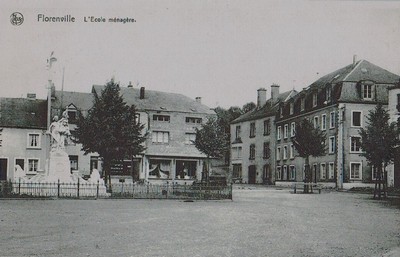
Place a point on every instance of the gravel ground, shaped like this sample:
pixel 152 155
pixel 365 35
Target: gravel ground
pixel 259 222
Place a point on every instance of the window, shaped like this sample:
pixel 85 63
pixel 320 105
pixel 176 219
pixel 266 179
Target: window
pixel 367 91
pixel 332 144
pixel 278 153
pixel 281 111
pixel 267 127
pixel 266 151
pixel 328 93
pixel 292 172
pixel 302 104
pixel 322 171
pixel 278 173
pixel 291 108
pixel 164 118
pixel 355 170
pixel 284 175
pixel 355 144
pixel 190 138
pixel 237 171
pixel 332 120
pixel 316 122
pixel 278 133
pixel 137 118
pixel 160 137
pixel 291 151
pixel 331 170
pixel 237 153
pixel 33 140
pixel 285 152
pixel 33 165
pixel 315 99
pixel 73 160
pixel 252 152
pixel 323 122
pixel 356 118
pixel 252 129
pixel 286 131
pixel 237 134
pixel 375 173
pixel 20 163
pixel 193 120
pixel 292 129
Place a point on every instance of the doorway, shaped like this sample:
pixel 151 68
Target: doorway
pixel 252 174
pixel 3 168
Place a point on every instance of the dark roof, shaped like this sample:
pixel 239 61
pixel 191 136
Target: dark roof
pixel 82 101
pixel 362 70
pixel 269 109
pixel 159 101
pixel 23 113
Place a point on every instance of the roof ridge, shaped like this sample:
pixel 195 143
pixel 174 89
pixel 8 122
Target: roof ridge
pixel 356 66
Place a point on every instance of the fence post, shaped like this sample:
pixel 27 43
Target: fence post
pixel 78 187
pixel 58 188
pixel 166 194
pixel 19 186
pixel 97 190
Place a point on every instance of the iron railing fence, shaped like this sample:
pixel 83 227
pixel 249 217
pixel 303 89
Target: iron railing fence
pixel 84 190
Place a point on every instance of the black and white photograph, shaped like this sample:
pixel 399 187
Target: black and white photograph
pixel 209 128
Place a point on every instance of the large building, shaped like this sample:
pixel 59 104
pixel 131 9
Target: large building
pixel 23 138
pixel 338 104
pixel 170 124
pixel 394 112
pixel 253 139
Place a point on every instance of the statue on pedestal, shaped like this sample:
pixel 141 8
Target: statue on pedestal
pixel 59 131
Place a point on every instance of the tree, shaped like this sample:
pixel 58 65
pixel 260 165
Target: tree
pixel 379 141
pixel 110 128
pixel 308 141
pixel 212 140
pixel 248 107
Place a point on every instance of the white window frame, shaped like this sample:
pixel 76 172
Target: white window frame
pixel 286 131
pixel 252 152
pixel 292 172
pixel 28 170
pixel 278 173
pixel 39 138
pixel 332 144
pixel 316 121
pixel 351 144
pixel 302 104
pixel 351 171
pixel 190 138
pixel 367 88
pixel 331 170
pixel 323 122
pixel 292 129
pixel 278 153
pixel 278 133
pixel 315 99
pixel 328 94
pixel 163 135
pixel 291 151
pixel 285 173
pixel 285 152
pixel 361 118
pixel 322 170
pixel 332 120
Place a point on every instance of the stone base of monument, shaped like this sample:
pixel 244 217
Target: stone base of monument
pixel 59 181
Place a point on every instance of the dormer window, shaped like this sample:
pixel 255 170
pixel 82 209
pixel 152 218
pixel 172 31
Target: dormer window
pixel 328 93
pixel 367 90
pixel 291 108
pixel 315 99
pixel 302 103
pixel 72 113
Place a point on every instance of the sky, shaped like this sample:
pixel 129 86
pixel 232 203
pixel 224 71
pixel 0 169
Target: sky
pixel 222 51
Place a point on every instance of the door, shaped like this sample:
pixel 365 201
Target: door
pixel 3 169
pixel 252 174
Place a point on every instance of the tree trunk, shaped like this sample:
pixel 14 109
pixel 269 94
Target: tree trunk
pixel 380 184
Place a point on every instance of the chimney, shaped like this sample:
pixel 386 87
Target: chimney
pixel 261 97
pixel 274 91
pixel 198 99
pixel 31 96
pixel 142 89
pixel 130 84
pixel 354 60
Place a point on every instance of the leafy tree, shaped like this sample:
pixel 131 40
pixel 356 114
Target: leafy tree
pixel 379 141
pixel 308 141
pixel 248 107
pixel 212 140
pixel 110 128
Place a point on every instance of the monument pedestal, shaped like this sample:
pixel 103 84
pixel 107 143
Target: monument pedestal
pixel 59 167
